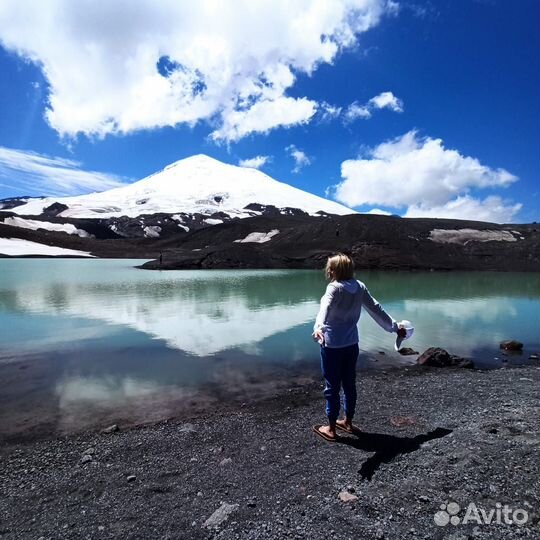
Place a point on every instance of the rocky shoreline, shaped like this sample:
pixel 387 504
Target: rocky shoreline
pixel 431 437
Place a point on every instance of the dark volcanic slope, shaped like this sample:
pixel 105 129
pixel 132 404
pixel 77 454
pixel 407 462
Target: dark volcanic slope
pixel 374 241
pixel 301 241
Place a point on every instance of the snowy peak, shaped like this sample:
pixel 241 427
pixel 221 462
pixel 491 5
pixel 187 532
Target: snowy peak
pixel 196 160
pixel 197 184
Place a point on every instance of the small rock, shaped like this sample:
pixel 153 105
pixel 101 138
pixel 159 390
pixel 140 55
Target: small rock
pixel 131 478
pixel 407 351
pixel 86 458
pixel 511 345
pixel 187 428
pixel 533 356
pixel 111 429
pixel 199 493
pixel 220 515
pixel 423 498
pixel 437 357
pixel 225 462
pixel 400 421
pixel 251 503
pixel 101 528
pixel 346 497
pixel 89 451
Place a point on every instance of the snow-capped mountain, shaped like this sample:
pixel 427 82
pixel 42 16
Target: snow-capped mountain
pixel 198 184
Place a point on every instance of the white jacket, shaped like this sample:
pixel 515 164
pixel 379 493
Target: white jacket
pixel 340 310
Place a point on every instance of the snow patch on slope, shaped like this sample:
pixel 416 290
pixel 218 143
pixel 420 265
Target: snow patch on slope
pixel 48 226
pixel 152 231
pixel 258 237
pixel 16 247
pixel 463 236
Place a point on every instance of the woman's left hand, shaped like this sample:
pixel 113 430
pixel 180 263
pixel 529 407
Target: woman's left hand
pixel 318 336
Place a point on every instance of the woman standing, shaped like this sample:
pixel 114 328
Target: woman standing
pixel 337 332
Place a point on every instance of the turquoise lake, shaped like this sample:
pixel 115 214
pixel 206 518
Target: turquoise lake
pixel 101 335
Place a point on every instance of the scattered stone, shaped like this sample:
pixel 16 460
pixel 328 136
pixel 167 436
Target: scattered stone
pixel 437 357
pixel 199 493
pixel 86 458
pixel 407 351
pixel 346 497
pixel 511 345
pixel 225 462
pixel 251 502
pixel 187 428
pixel 400 421
pixel 220 515
pixel 131 478
pixel 423 498
pixel 89 451
pixel 111 429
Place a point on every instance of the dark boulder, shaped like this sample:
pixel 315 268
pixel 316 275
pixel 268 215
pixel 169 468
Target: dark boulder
pixel 437 357
pixel 54 209
pixel 407 351
pixel 511 345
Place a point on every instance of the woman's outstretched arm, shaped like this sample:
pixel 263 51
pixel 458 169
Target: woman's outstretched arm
pixel 377 312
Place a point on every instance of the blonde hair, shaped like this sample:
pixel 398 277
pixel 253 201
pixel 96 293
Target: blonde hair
pixel 339 267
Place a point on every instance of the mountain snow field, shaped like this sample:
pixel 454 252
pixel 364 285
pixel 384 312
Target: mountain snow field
pixel 198 184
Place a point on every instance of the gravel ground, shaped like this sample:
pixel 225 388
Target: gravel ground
pixel 430 437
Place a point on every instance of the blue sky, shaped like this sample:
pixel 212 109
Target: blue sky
pixel 414 108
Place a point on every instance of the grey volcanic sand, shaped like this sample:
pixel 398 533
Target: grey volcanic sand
pixel 474 438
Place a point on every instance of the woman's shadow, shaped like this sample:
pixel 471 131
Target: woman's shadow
pixel 387 447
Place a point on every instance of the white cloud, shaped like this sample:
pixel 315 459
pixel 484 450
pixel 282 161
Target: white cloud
pixel 421 173
pixel 492 208
pixel 387 100
pixel 354 111
pixel 116 67
pixel 328 112
pixel 264 116
pixel 300 158
pixel 36 174
pixel 255 162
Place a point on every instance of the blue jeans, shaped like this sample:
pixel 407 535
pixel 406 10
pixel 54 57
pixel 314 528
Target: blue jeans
pixel 339 370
